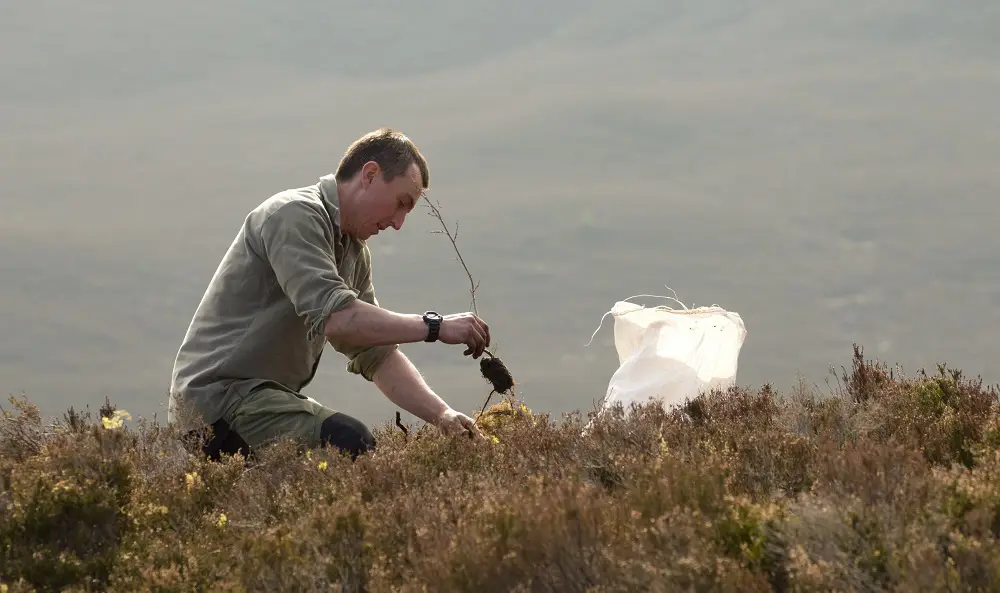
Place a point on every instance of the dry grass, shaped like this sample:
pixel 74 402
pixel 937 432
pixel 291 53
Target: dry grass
pixel 891 484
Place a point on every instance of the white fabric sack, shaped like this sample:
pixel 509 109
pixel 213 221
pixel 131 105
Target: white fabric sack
pixel 672 355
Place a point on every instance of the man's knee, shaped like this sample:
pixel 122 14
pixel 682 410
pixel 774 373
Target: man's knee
pixel 347 434
pixel 220 440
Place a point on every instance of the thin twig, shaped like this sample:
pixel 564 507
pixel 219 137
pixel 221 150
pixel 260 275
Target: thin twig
pixel 436 212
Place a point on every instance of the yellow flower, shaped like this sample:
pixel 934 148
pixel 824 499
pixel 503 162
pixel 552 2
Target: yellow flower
pixel 223 520
pixel 192 480
pixel 322 466
pixel 495 439
pixel 115 420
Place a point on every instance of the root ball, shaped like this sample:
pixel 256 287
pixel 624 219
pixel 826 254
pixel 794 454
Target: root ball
pixel 496 373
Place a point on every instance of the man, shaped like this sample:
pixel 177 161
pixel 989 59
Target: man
pixel 298 275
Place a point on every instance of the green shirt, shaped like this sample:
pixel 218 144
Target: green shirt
pixel 261 318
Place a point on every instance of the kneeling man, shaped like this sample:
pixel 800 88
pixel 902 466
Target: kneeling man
pixel 298 275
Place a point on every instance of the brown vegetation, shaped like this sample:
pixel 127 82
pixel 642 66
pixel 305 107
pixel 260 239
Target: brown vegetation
pixel 893 483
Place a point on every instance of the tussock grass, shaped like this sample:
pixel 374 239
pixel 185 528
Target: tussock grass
pixel 891 483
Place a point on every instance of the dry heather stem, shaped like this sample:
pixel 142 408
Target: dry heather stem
pixel 895 487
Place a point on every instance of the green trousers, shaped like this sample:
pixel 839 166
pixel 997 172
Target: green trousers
pixel 267 414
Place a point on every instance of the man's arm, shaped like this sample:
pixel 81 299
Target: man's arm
pixel 361 324
pixel 366 328
pixel 403 385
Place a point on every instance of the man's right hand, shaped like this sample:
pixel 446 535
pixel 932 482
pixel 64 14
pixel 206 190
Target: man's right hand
pixel 468 329
pixel 454 422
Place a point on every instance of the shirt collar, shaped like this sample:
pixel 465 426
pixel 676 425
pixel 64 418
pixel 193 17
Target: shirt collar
pixel 331 200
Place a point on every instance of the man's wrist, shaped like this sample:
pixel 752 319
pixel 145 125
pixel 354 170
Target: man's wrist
pixel 433 320
pixel 442 414
pixel 418 329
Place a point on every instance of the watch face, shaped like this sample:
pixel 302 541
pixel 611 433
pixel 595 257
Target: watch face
pixel 432 315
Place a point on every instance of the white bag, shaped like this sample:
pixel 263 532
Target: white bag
pixel 672 355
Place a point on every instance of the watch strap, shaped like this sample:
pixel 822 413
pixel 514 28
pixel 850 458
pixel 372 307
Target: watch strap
pixel 433 321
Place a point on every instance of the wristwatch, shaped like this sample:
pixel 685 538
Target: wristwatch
pixel 433 321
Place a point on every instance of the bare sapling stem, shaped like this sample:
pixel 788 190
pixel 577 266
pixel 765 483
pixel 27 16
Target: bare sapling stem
pixel 473 285
pixel 492 368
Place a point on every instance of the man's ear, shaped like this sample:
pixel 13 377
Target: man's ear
pixel 368 173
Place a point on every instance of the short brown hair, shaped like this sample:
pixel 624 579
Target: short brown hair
pixel 392 150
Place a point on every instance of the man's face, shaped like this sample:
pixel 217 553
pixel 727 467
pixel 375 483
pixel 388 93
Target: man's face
pixel 385 205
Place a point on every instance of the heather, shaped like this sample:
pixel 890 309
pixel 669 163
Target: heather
pixel 881 482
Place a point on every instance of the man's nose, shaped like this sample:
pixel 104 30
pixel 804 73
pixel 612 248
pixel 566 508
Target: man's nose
pixel 397 221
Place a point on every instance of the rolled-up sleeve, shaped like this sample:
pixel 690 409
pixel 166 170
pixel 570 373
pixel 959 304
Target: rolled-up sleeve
pixel 294 242
pixel 365 361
